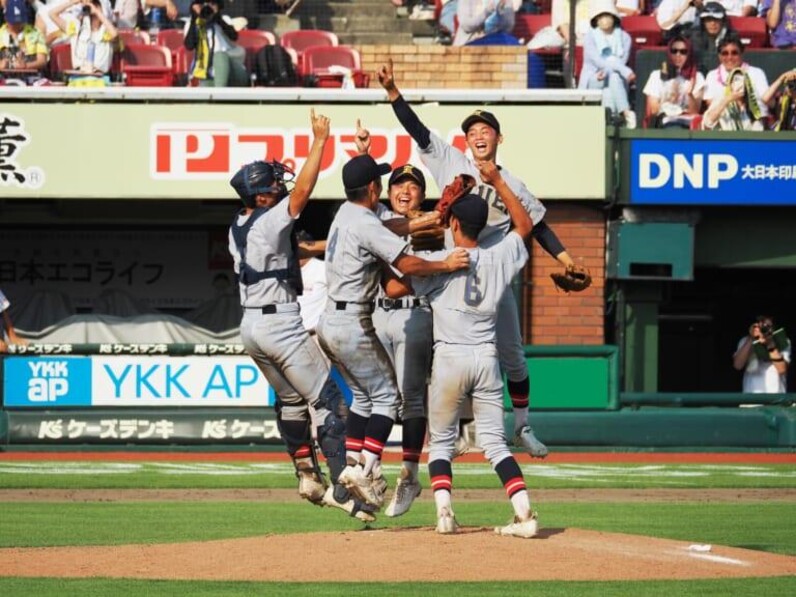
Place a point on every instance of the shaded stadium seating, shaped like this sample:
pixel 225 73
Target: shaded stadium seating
pixel 60 61
pixel 146 66
pixel 302 39
pixel 317 61
pixel 253 40
pixel 643 30
pixel 183 58
pixel 134 36
pixel 752 31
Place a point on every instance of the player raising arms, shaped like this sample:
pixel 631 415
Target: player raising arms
pixel 465 364
pixel 357 246
pixel 265 254
pixel 483 136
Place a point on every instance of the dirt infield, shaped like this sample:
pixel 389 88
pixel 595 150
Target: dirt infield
pixel 475 554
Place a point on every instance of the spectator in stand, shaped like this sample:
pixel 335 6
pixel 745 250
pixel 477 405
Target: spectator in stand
pixel 479 18
pixel 629 8
pixel 8 334
pixel 762 375
pixel 130 14
pixel 22 46
pixel 677 16
pixel 219 61
pixel 560 20
pixel 674 91
pixel 605 55
pixel 714 26
pixel 785 109
pixel 447 18
pixel 780 16
pixel 91 36
pixel 740 8
pixel 730 53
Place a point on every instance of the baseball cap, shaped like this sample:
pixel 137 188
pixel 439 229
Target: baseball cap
pixel 471 209
pixel 713 10
pixel 408 171
pixel 16 12
pixel 361 170
pixel 481 116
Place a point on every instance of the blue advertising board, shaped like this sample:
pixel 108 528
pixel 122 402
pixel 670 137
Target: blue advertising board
pixel 712 172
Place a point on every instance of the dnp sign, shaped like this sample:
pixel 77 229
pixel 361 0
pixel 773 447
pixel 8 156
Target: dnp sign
pixel 713 172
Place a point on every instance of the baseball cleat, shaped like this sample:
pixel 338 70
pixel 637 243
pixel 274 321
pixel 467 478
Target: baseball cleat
pixel 311 485
pixel 349 505
pixel 364 487
pixel 446 522
pixel 520 528
pixel 524 438
pixel 406 490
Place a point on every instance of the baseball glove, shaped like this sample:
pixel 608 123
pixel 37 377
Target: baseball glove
pixel 460 186
pixel 574 279
pixel 429 235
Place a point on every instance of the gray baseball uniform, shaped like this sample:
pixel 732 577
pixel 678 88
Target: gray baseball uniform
pixel 445 162
pixel 277 340
pixel 404 328
pixel 357 245
pixel 465 365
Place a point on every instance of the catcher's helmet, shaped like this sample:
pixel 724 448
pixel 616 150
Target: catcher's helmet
pixel 261 177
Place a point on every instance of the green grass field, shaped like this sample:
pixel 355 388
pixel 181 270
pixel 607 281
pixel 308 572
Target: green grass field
pixel 761 525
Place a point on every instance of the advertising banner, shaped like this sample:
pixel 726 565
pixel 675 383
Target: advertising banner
pixel 138 381
pixel 190 151
pixel 713 172
pixel 143 427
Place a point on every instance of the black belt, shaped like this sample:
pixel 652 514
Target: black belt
pixel 266 310
pixel 341 305
pixel 389 304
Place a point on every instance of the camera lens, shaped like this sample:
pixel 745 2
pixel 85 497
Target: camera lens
pixel 86 10
pixel 207 11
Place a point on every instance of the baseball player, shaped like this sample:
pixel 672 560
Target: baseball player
pixel 265 254
pixel 466 365
pixel 404 328
pixel 356 247
pixel 483 136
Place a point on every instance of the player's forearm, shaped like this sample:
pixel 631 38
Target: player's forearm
pixel 523 225
pixel 395 287
pixel 311 248
pixel 547 239
pixel 410 121
pixel 307 178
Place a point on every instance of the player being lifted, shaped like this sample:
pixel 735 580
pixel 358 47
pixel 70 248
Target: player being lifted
pixel 266 259
pixel 465 365
pixel 445 162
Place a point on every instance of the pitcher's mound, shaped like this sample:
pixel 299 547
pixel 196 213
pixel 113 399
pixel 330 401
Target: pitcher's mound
pixel 407 554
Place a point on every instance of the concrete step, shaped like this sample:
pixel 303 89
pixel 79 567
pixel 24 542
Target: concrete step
pixel 367 8
pixel 384 26
pixel 350 39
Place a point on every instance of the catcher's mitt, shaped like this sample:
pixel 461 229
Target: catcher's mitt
pixel 574 279
pixel 460 186
pixel 429 235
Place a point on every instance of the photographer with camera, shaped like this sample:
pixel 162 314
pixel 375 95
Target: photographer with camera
pixel 218 60
pixel 763 360
pixel 91 36
pixel 785 108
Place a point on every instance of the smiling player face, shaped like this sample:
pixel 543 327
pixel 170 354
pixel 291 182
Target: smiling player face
pixel 405 195
pixel 483 141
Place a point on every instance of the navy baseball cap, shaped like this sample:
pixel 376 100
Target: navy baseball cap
pixel 471 209
pixel 410 172
pixel 361 171
pixel 481 116
pixel 16 12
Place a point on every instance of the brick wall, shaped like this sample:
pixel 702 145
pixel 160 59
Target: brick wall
pixel 551 316
pixel 441 67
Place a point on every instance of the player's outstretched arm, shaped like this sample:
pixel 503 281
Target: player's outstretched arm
pixel 520 218
pixel 311 248
pixel 305 182
pixel 548 240
pixel 406 116
pixel 409 265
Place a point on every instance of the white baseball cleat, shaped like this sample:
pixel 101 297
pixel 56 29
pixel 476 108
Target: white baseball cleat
pixel 406 490
pixel 446 522
pixel 348 506
pixel 364 487
pixel 311 485
pixel 520 528
pixel 524 438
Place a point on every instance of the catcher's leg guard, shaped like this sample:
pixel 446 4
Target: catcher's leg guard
pixel 331 438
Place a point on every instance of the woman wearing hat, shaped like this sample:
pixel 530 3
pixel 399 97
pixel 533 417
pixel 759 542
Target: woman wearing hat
pixel 605 54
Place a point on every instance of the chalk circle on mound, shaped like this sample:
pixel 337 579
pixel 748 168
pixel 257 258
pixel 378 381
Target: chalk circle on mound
pixel 415 554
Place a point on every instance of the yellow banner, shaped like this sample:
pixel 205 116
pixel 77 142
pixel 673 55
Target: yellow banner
pixel 141 151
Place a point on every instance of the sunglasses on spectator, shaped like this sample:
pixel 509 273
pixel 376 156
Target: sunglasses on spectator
pixel 682 51
pixel 730 53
